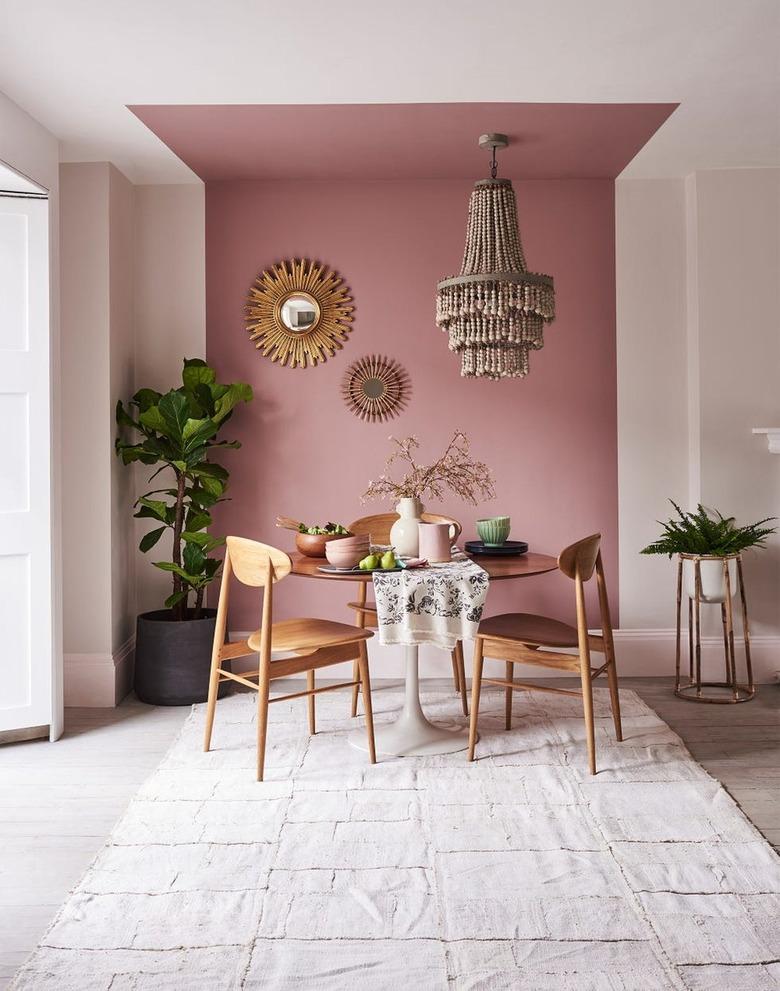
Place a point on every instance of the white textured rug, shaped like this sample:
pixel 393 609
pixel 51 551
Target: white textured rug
pixel 517 872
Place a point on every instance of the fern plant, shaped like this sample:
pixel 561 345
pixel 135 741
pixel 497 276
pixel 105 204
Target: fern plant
pixel 706 533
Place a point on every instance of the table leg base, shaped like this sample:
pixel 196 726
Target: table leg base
pixel 412 738
pixel 412 734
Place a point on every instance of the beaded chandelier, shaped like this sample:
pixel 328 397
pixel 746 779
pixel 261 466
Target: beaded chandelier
pixel 495 310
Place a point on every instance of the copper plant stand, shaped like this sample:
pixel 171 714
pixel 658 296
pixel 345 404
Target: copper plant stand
pixel 692 692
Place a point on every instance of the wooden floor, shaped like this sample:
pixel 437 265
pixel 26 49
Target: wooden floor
pixel 59 803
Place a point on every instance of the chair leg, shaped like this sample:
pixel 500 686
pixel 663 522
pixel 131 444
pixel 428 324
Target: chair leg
pixel 365 682
pixel 510 674
pixel 587 706
pixel 461 681
pixel 355 687
pixel 212 702
pixel 262 720
pixel 311 700
pixel 614 696
pixel 476 688
pixel 455 669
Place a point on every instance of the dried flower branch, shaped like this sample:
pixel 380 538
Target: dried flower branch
pixel 455 470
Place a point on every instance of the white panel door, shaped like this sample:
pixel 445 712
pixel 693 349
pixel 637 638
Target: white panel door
pixel 26 653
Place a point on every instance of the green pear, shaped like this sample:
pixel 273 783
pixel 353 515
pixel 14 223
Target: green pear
pixel 388 560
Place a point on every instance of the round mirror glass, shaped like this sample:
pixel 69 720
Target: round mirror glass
pixel 374 388
pixel 300 312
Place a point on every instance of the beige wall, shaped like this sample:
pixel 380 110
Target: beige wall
pixel 170 281
pixel 122 374
pixel 86 438
pixel 698 271
pixel 652 397
pixel 170 321
pixel 133 307
pixel 737 235
pixel 97 221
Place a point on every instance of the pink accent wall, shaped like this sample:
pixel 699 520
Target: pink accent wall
pixel 550 438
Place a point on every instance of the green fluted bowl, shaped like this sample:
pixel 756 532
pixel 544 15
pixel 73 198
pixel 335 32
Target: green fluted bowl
pixel 494 530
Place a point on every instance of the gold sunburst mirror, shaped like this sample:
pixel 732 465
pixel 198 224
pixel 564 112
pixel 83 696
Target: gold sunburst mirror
pixel 376 388
pixel 298 313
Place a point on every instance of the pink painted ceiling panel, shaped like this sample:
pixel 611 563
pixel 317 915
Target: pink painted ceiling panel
pixel 404 141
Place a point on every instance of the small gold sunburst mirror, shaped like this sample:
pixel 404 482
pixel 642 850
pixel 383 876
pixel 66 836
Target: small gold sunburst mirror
pixel 298 313
pixel 376 388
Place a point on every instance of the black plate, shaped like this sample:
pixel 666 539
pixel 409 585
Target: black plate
pixel 507 549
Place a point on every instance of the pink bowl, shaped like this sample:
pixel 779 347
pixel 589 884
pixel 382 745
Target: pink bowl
pixel 361 541
pixel 344 557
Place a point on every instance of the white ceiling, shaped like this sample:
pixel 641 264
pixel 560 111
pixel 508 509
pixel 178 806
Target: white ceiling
pixel 12 181
pixel 76 65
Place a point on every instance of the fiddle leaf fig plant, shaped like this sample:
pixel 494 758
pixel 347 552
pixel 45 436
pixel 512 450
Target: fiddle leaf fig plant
pixel 176 432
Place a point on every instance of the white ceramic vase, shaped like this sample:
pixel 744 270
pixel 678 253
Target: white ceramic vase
pixel 404 533
pixel 713 584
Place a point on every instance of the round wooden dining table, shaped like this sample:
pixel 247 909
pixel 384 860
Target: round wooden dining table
pixel 412 734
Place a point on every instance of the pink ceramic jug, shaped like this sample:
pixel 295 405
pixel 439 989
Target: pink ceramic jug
pixel 436 541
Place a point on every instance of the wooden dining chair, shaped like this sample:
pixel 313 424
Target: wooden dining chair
pixel 522 638
pixel 378 528
pixel 314 643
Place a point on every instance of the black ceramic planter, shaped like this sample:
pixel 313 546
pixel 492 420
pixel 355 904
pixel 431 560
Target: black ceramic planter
pixel 173 659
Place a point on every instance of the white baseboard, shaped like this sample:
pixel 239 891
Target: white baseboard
pixel 652 653
pixel 99 680
pixel 640 653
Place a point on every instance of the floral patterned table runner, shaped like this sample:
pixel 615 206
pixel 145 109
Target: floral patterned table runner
pixel 439 604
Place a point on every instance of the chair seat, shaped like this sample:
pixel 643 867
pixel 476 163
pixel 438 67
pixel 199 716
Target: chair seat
pixel 309 634
pixel 527 628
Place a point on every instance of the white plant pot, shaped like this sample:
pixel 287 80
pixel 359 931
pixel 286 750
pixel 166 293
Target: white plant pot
pixel 404 533
pixel 713 584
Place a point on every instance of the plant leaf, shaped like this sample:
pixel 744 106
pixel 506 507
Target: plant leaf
pixel 238 392
pixel 197 520
pixel 145 398
pixel 196 372
pixel 170 566
pixel 208 468
pixel 176 598
pixel 134 452
pixel 193 558
pixel 199 497
pixel 213 486
pixel 175 412
pixel 123 418
pixel 152 419
pixel 197 432
pixel 156 507
pixel 151 538
pixel 707 532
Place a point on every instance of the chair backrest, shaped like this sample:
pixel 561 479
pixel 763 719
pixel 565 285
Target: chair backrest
pixel 251 562
pixel 579 558
pixel 578 561
pixel 378 526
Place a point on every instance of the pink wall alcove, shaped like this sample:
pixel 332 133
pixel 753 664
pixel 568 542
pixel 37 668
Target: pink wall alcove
pixel 550 438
